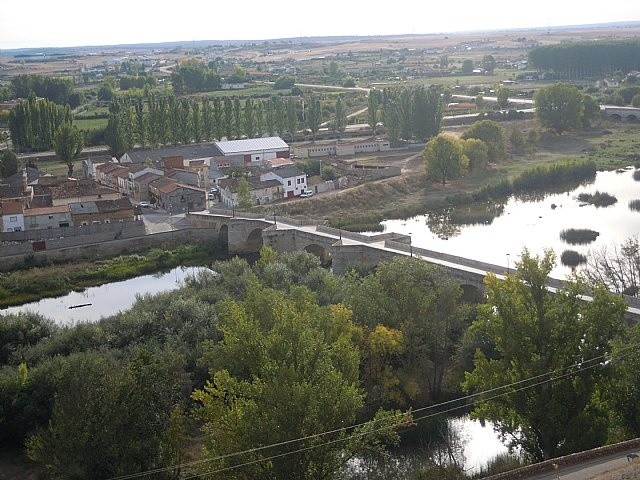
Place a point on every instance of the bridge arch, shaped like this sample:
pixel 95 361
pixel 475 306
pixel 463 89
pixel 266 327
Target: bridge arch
pixel 631 118
pixel 615 117
pixel 254 240
pixel 320 252
pixel 223 238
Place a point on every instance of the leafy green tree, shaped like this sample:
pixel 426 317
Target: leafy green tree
pixel 284 82
pixel 479 101
pixel 340 123
pixel 467 67
pixel 313 114
pixel 489 63
pixel 372 110
pixel 621 392
pixel 109 420
pixel 502 97
pixel 559 107
pixel 68 143
pixel 517 140
pixel 635 101
pixel 591 112
pixel 218 119
pixel 477 152
pixel 425 304
pixel 228 118
pixel 285 369
pixel 237 118
pixel 427 112
pixel 444 158
pixel 551 351
pixel 245 202
pixel 9 164
pixel 492 134
pixel 249 118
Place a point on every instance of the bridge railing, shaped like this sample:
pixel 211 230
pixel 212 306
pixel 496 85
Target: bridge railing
pixel 360 237
pixel 466 262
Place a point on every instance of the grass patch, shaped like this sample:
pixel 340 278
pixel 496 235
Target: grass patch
pixel 31 284
pixel 578 236
pixel 571 258
pixel 359 223
pixel 634 205
pixel 599 199
pixel 501 463
pixel 90 123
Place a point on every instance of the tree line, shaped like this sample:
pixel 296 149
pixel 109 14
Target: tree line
pixel 408 113
pixel 264 357
pixel 168 120
pixel 587 59
pixel 33 123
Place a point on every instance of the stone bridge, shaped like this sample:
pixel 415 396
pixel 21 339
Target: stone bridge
pixel 247 233
pixel 342 249
pixel 630 114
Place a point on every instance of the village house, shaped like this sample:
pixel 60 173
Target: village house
pixel 176 198
pixel 141 187
pixel 81 191
pixel 342 148
pixel 262 192
pixel 293 180
pixel 12 215
pixel 47 218
pixel 104 211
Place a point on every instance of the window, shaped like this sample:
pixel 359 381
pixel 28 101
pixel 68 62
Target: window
pixel 288 183
pixel 50 217
pixel 13 219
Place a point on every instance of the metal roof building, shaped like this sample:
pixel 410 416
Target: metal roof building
pixel 252 145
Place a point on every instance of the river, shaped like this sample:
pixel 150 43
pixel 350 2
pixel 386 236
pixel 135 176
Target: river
pixel 535 224
pixel 104 300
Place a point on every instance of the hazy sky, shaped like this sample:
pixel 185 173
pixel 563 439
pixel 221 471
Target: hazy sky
pixel 54 23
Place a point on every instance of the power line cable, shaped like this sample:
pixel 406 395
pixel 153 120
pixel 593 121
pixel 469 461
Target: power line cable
pixel 354 426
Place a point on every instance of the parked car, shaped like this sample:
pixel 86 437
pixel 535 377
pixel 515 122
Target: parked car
pixel 306 193
pixel 145 204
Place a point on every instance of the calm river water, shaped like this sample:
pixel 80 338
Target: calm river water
pixel 534 224
pixel 105 300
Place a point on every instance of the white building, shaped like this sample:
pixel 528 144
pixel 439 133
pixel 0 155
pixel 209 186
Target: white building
pixel 255 150
pixel 293 180
pixel 12 216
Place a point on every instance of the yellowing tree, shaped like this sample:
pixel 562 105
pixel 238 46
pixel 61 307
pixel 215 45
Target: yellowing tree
pixel 444 158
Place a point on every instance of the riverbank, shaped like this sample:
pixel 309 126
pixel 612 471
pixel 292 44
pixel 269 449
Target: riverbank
pixel 610 146
pixel 34 283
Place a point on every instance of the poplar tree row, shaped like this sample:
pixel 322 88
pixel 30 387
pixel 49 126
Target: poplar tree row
pixel 409 113
pixel 33 123
pixel 587 59
pixel 167 120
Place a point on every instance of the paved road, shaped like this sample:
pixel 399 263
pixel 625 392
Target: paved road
pixel 587 470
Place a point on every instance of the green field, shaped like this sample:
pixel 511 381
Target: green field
pixel 90 123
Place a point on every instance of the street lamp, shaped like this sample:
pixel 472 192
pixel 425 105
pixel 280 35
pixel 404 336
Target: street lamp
pixel 275 224
pixel 410 246
pixel 508 271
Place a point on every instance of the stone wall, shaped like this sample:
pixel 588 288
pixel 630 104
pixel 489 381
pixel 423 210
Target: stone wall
pixel 568 460
pixel 64 251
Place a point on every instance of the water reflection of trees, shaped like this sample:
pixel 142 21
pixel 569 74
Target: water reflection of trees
pixel 433 448
pixel 447 222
